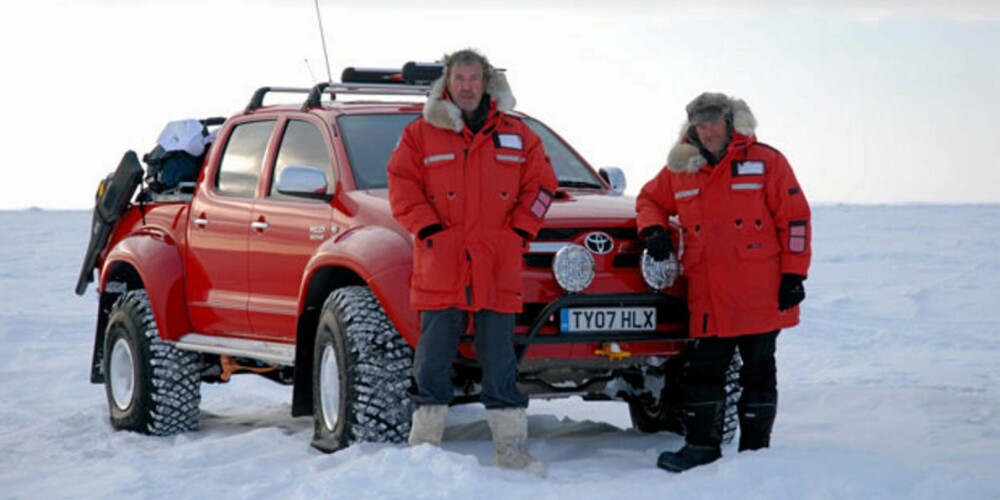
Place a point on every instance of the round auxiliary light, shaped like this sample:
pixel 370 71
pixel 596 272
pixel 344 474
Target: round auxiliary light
pixel 660 274
pixel 573 268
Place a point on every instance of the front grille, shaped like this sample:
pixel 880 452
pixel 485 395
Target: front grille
pixel 562 234
pixel 571 233
pixel 543 260
pixel 627 260
pixel 624 237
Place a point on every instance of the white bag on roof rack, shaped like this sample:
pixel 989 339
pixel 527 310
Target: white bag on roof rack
pixel 185 135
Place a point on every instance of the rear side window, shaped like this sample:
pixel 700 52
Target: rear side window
pixel 243 159
pixel 302 145
pixel 370 141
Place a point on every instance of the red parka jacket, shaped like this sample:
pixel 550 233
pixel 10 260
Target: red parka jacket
pixel 745 223
pixel 479 187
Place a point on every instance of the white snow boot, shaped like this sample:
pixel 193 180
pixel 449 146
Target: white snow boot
pixel 428 425
pixel 510 432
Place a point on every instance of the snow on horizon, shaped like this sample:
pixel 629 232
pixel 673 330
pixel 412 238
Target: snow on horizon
pixel 890 388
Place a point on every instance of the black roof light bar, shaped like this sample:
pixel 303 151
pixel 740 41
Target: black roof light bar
pixel 413 73
pixel 422 72
pixel 371 75
pixel 414 79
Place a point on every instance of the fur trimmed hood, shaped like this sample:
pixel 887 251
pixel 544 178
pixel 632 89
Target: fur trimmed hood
pixel 442 113
pixel 685 156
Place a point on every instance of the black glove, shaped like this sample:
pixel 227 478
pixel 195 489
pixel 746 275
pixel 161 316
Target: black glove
pixel 429 231
pixel 658 242
pixel 791 291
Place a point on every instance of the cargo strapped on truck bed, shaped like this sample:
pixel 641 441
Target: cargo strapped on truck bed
pixel 413 79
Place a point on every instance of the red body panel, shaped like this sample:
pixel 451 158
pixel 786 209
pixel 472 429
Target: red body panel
pixel 278 256
pixel 217 264
pixel 152 249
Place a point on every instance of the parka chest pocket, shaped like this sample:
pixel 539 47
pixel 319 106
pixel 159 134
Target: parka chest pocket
pixel 688 202
pixel 756 237
pixel 438 166
pixel 507 175
pixel 748 198
pixel 441 181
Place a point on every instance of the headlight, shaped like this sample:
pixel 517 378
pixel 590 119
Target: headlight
pixel 573 268
pixel 662 274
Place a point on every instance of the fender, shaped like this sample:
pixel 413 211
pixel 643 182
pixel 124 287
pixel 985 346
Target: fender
pixel 381 257
pixel 156 257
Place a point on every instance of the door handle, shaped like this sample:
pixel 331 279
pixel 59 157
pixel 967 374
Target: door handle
pixel 259 225
pixel 201 222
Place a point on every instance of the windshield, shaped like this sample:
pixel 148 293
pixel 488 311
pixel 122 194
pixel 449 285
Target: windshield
pixel 371 139
pixel 570 168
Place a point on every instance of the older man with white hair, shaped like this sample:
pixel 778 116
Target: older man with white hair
pixel 472 183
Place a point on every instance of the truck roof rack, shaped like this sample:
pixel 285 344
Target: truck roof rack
pixel 414 79
pixel 316 93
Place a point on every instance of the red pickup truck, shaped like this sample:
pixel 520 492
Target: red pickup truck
pixel 283 260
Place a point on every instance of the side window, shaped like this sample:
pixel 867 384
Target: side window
pixel 243 158
pixel 302 145
pixel 370 141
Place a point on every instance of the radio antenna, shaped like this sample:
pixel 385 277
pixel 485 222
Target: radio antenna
pixel 329 76
pixel 312 76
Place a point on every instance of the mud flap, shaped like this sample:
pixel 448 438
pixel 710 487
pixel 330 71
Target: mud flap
pixel 113 196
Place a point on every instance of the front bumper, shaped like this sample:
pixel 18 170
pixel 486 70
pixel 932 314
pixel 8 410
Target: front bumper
pixel 543 328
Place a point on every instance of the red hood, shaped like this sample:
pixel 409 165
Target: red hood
pixel 586 207
pixel 576 207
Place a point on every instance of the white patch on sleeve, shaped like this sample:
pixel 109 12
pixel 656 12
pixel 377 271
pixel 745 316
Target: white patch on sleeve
pixel 750 168
pixel 510 141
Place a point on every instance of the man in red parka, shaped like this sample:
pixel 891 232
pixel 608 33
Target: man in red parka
pixel 746 230
pixel 472 184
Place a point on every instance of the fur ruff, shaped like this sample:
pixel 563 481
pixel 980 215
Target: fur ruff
pixel 685 157
pixel 443 113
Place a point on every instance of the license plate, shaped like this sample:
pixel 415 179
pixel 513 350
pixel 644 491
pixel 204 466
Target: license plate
pixel 605 319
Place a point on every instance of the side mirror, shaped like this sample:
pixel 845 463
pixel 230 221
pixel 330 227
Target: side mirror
pixel 616 177
pixel 304 181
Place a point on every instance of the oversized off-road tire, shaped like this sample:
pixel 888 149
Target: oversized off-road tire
pixel 729 417
pixel 361 373
pixel 152 387
pixel 665 413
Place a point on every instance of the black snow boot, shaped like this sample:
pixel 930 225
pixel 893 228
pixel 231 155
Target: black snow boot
pixel 756 421
pixel 688 457
pixel 703 439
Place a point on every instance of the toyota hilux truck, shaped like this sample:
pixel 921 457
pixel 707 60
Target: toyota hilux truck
pixel 281 258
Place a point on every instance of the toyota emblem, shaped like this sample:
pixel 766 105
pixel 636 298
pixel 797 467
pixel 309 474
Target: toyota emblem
pixel 599 243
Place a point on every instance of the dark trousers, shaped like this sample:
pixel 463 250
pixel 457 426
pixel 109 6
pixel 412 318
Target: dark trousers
pixel 438 346
pixel 704 378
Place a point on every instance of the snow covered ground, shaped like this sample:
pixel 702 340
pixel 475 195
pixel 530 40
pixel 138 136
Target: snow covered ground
pixel 889 389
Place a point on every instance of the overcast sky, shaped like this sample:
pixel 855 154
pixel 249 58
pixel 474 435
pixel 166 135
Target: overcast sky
pixel 872 102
